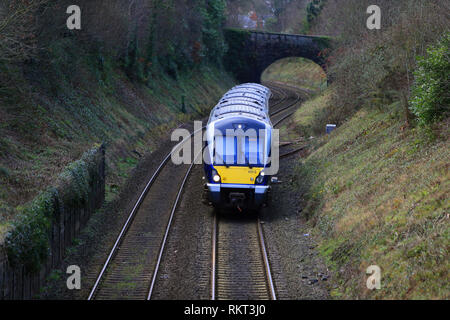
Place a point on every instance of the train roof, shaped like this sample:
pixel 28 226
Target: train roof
pixel 249 90
pixel 236 99
pixel 257 88
pixel 253 85
pixel 248 100
pixel 239 109
pixel 245 94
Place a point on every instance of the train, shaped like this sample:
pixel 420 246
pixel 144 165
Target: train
pixel 238 149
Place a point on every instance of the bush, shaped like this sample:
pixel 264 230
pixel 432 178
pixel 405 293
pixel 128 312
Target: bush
pixel 213 15
pixel 28 242
pixel 313 9
pixel 430 93
pixel 374 68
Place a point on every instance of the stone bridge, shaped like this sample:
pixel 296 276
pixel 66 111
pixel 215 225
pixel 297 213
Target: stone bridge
pixel 251 52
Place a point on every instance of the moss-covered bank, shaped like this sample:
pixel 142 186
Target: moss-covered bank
pixel 376 193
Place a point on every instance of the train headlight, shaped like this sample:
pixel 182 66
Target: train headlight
pixel 215 176
pixel 260 178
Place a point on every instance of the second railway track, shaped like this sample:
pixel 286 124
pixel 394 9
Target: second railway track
pixel 128 272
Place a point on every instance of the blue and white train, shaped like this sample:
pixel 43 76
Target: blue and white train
pixel 239 136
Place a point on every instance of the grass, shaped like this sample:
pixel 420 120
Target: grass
pixel 125 166
pixel 377 194
pixel 305 117
pixel 300 72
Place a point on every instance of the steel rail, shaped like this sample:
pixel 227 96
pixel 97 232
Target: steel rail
pixel 283 96
pixel 133 213
pixel 283 108
pixel 286 108
pixel 169 225
pixel 265 256
pixel 297 99
pixel 214 257
pixel 141 198
pixel 284 155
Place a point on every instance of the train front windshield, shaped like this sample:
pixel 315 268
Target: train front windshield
pixel 240 148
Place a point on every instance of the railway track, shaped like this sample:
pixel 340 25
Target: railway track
pixel 240 267
pixel 280 94
pixel 131 268
pixel 240 263
pixel 286 107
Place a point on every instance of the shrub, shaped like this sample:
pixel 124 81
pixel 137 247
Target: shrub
pixel 212 35
pixel 271 24
pixel 374 68
pixel 28 242
pixel 313 9
pixel 430 93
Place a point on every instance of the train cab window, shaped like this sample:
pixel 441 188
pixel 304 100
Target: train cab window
pixel 224 150
pixel 239 150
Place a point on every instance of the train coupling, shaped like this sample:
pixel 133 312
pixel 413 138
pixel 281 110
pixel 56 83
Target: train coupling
pixel 237 200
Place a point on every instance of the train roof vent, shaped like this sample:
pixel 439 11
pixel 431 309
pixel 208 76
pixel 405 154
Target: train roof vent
pixel 260 89
pixel 245 94
pixel 242 100
pixel 241 109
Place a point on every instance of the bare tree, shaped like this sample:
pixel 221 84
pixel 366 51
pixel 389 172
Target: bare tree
pixel 18 29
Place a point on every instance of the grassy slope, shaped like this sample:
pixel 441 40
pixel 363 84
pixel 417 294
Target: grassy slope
pixel 62 110
pixel 376 194
pixel 300 72
pixel 304 118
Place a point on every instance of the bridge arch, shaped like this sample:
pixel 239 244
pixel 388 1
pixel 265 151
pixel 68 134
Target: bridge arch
pixel 301 72
pixel 251 52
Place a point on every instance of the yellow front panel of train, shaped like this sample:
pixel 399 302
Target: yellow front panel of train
pixel 238 175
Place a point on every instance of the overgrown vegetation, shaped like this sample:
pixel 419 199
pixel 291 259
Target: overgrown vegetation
pixel 236 59
pixel 313 10
pixel 376 190
pixel 430 99
pixel 120 80
pixel 375 195
pixel 375 67
pixel 144 34
pixel 28 241
pixel 274 16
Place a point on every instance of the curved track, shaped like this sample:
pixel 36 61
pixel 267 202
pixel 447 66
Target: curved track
pixel 240 264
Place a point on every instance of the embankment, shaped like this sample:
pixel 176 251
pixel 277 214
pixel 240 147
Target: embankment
pixel 57 114
pixel 375 193
pixel 43 230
